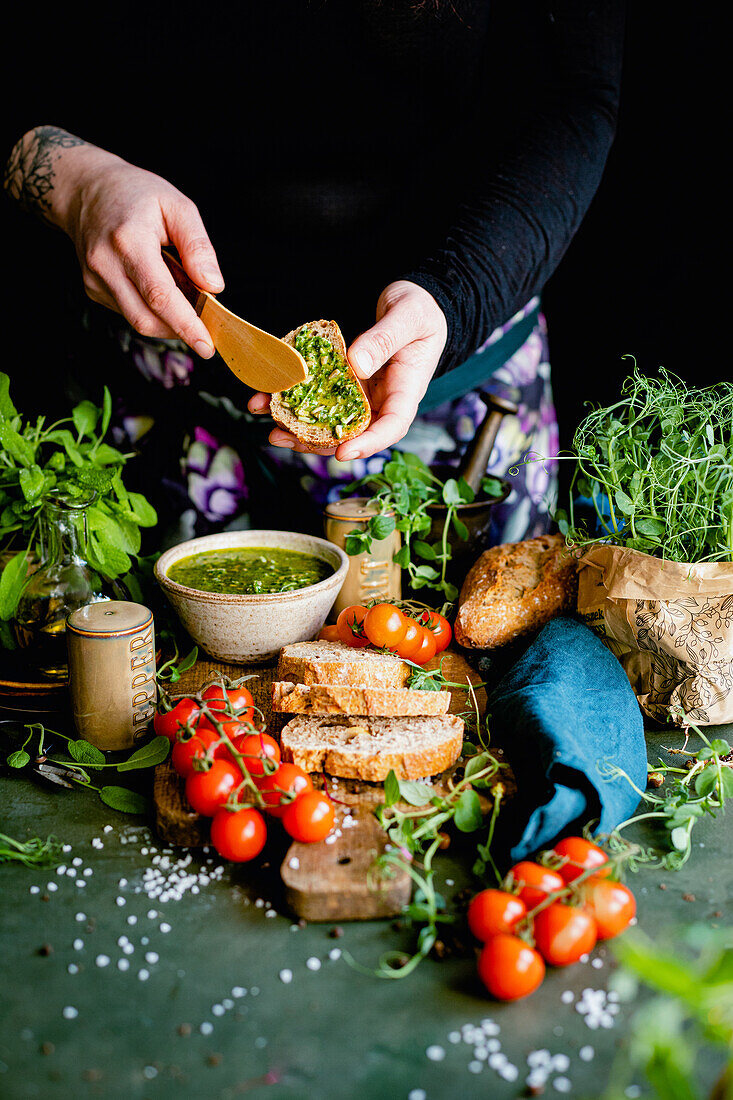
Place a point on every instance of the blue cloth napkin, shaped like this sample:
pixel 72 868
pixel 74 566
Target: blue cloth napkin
pixel 563 714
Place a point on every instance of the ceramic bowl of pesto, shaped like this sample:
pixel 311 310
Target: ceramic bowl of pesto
pixel 242 595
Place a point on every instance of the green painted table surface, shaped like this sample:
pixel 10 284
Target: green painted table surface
pixel 218 994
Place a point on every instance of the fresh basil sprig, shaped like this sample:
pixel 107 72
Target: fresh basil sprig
pixel 68 458
pixel 403 492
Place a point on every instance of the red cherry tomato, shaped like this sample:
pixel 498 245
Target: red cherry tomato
pixel 238 835
pixel 581 855
pixel 207 791
pixel 427 647
pixel 310 817
pixel 611 904
pixel 439 626
pixel 257 749
pixel 510 968
pixel 328 634
pixel 535 882
pixel 385 626
pixel 350 626
pixel 195 748
pixel 494 911
pixel 167 723
pixel 563 933
pixel 237 699
pixel 412 641
pixel 282 787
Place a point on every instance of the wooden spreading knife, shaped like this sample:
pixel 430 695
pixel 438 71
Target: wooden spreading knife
pixel 255 357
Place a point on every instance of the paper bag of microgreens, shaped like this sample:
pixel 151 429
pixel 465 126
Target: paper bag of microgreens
pixel 656 568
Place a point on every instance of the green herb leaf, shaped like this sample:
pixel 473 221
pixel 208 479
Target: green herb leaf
pixel 106 411
pixel 451 492
pixel 86 754
pixel 460 528
pixel 719 745
pixel 7 408
pixel 468 815
pixel 424 549
pixel 147 756
pixel 417 794
pixel 18 759
pixel 391 789
pixel 12 583
pixel 707 780
pixel 124 800
pixel 32 482
pixel 402 557
pixel 381 527
pixel 16 446
pixel 85 416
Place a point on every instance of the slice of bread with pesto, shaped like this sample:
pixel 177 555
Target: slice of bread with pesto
pixel 369 748
pixel 325 699
pixel 330 406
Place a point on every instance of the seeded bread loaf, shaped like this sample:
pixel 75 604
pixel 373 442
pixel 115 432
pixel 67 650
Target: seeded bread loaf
pixel 515 589
pixel 323 699
pixel 336 663
pixel 369 748
pixel 320 435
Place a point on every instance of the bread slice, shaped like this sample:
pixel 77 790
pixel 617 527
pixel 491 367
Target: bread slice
pixel 515 589
pixel 317 434
pixel 336 663
pixel 338 699
pixel 369 748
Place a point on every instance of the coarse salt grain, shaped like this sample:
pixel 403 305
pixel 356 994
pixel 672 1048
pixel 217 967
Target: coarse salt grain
pixel 562 1084
pixel 102 960
pixel 107 829
pixel 164 927
pixel 123 964
pixel 586 1054
pixel 34 890
pixel 70 1013
pixel 143 974
pixel 77 861
pixel 596 963
pixel 80 917
pixel 417 1094
pixel 206 1028
pixel 120 901
pixel 151 957
pixel 217 1010
pixel 52 886
pixel 567 997
pixel 61 869
pixel 435 1053
pixel 239 991
pixel 313 963
pixel 286 976
pixel 334 953
pixel 72 968
pixel 78 944
pixel 475 1067
pixel 132 919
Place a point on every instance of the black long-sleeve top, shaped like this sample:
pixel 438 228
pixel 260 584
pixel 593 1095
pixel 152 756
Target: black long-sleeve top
pixel 333 146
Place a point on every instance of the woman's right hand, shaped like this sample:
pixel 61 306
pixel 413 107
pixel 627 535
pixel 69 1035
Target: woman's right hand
pixel 119 217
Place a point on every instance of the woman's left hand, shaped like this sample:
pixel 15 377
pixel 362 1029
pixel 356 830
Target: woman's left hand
pixel 395 359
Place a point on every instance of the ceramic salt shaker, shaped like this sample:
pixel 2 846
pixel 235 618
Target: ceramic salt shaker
pixel 111 648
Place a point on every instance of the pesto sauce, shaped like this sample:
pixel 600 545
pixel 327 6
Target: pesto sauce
pixel 329 397
pixel 250 570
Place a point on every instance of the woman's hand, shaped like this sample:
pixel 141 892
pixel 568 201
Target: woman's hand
pixel 396 359
pixel 118 217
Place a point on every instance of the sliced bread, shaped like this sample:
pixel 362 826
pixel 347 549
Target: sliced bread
pixel 369 748
pixel 325 699
pixel 305 409
pixel 336 663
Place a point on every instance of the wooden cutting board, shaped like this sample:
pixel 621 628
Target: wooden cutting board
pixel 327 881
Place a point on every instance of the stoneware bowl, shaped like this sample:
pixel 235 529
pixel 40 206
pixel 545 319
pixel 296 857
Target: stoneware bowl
pixel 252 629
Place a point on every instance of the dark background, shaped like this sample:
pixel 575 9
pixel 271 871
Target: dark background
pixel 641 278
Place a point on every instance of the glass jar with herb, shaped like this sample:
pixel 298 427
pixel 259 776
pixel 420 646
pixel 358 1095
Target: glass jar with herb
pixel 62 582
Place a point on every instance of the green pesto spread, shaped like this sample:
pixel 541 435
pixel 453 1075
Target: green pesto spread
pixel 250 570
pixel 329 396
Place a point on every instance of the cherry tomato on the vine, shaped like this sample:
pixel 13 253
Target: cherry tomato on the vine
pixel 611 904
pixel 581 855
pixel 257 749
pixel 509 967
pixel 494 911
pixel 535 882
pixel 563 933
pixel 329 634
pixel 385 626
pixel 410 645
pixel 195 748
pixel 207 791
pixel 427 647
pixel 167 723
pixel 350 626
pixel 238 835
pixel 239 699
pixel 310 817
pixel 282 787
pixel 439 626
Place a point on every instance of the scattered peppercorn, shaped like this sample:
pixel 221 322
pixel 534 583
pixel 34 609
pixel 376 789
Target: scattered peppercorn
pixel 689 897
pixel 336 932
pixel 655 779
pixel 47 1048
pixel 45 949
pixel 184 1029
pixel 213 1060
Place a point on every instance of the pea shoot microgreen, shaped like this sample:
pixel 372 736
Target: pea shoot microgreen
pixel 32 853
pixel 688 793
pixel 403 492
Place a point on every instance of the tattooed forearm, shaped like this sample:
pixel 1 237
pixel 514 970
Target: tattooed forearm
pixel 29 172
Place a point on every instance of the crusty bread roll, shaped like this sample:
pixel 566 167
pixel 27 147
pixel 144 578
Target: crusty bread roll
pixel 336 663
pixel 515 589
pixel 369 748
pixel 322 435
pixel 324 699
